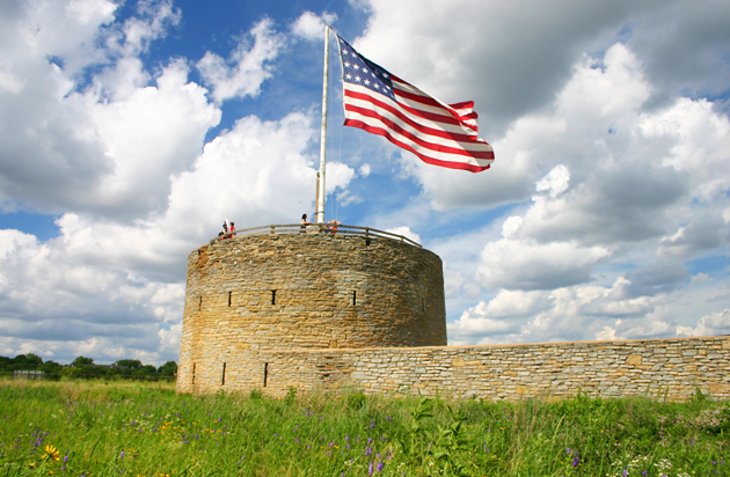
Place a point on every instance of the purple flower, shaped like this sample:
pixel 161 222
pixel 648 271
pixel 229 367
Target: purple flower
pixel 121 454
pixel 370 468
pixel 372 424
pixel 576 461
pixel 644 473
pixel 625 473
pixel 380 466
pixel 368 450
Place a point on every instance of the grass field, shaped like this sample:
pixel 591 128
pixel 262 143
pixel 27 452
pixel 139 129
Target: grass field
pixel 129 429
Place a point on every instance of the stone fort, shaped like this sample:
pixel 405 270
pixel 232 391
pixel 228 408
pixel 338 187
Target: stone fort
pixel 317 309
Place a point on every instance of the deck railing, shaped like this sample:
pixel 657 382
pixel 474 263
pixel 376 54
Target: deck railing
pixel 324 229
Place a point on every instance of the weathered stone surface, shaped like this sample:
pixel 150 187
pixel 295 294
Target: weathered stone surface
pixel 251 294
pixel 609 369
pixel 314 334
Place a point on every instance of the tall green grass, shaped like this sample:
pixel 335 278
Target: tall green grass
pixel 132 429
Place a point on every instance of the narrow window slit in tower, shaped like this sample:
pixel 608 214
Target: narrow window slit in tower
pixel 423 304
pixel 273 297
pixel 229 298
pixel 354 297
pixel 266 373
pixel 200 302
pixel 193 374
pixel 223 374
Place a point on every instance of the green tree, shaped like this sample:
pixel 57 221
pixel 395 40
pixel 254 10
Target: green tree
pixel 82 361
pixel 52 369
pixel 5 365
pixel 83 367
pixel 26 361
pixel 168 370
pixel 146 371
pixel 125 368
pixel 132 364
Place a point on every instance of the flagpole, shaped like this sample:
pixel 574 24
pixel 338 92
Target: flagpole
pixel 320 195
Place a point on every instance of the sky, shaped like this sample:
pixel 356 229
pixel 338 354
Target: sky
pixel 130 130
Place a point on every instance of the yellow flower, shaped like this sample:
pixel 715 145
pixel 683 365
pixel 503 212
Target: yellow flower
pixel 51 453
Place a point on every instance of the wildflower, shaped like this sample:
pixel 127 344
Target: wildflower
pixel 379 468
pixel 370 468
pixel 51 453
pixel 368 451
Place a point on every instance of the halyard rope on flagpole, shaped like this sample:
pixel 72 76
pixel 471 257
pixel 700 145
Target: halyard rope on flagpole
pixel 320 196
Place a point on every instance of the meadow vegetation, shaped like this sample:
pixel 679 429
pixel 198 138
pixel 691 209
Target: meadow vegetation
pixel 145 429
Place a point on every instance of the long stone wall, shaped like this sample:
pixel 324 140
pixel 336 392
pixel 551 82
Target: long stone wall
pixel 672 369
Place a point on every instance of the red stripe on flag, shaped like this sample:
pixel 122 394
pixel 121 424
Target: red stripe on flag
pixel 396 111
pixel 422 140
pixel 427 159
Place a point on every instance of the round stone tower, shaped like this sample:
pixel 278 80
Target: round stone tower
pixel 252 294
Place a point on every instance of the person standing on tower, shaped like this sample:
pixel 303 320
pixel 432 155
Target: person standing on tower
pixel 304 222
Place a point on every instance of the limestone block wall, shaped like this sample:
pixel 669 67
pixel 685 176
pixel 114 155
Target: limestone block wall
pixel 250 295
pixel 670 369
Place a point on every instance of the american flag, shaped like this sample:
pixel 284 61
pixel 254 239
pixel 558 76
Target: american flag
pixel 381 103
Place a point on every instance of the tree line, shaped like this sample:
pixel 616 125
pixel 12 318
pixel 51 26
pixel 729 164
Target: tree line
pixel 32 365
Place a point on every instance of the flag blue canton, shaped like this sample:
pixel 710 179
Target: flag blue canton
pixel 361 71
